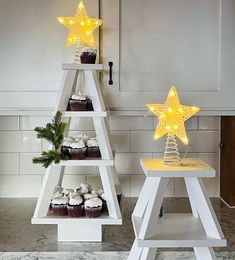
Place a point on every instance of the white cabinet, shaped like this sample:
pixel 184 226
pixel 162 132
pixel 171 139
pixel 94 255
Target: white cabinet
pixel 157 43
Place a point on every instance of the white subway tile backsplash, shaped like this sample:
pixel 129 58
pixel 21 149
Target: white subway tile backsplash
pixel 9 123
pixel 95 181
pixel 30 122
pixel 125 181
pixel 191 123
pixel 137 182
pixel 20 185
pixel 9 163
pixel 142 141
pixel 131 123
pixel 129 163
pixel 209 122
pixel 121 141
pixel 81 124
pixel 70 170
pixel 213 159
pixel 26 165
pixel 19 141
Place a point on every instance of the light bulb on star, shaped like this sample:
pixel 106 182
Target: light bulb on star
pixel 81 27
pixel 172 116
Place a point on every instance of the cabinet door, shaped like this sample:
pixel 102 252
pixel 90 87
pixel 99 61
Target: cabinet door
pixel 32 49
pixel 158 43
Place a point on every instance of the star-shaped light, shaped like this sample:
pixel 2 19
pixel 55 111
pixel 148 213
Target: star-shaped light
pixel 172 116
pixel 80 26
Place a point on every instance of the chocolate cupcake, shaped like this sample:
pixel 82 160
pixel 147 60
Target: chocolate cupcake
pixel 77 102
pixel 88 56
pixel 82 137
pixel 93 208
pixel 104 203
pixel 77 151
pixel 66 145
pixel 119 193
pixel 57 193
pixel 59 206
pixel 89 105
pixel 75 207
pixel 93 149
pixel 67 192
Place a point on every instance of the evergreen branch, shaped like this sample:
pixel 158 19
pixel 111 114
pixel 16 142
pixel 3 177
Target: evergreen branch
pixel 47 158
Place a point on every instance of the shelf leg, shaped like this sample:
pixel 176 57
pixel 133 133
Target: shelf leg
pixel 148 253
pixel 204 253
pixel 80 232
pixel 151 216
pixel 192 204
pixel 110 192
pixel 135 252
pixel 204 207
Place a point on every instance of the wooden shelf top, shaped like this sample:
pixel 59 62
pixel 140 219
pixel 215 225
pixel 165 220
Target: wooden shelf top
pixel 86 162
pixel 178 230
pixel 77 66
pixel 104 219
pixel 190 167
pixel 84 113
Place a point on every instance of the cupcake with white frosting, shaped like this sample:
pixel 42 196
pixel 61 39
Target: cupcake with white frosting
pixel 75 206
pixel 66 145
pixel 59 206
pixel 104 203
pixel 93 208
pixel 82 137
pixel 88 196
pixel 93 149
pixel 88 55
pixel 77 102
pixel 67 192
pixel 77 150
pixel 84 188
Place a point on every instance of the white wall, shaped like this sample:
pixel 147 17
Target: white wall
pixel 132 138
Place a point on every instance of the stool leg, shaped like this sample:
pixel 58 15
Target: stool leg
pixel 148 253
pixel 204 253
pixel 135 252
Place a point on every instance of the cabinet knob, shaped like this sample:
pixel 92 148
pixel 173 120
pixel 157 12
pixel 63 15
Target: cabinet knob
pixel 221 145
pixel 110 73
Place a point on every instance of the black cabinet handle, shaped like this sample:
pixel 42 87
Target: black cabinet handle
pixel 221 145
pixel 110 73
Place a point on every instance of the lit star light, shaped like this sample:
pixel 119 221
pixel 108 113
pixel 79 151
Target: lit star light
pixel 80 26
pixel 172 116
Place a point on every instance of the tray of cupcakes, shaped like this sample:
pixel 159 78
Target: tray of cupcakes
pixel 79 102
pixel 82 202
pixel 81 147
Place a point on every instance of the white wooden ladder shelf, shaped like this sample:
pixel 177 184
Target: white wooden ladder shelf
pixel 199 230
pixel 82 229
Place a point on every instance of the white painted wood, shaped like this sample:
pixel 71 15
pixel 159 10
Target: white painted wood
pixel 66 89
pixel 80 232
pixel 135 251
pixel 90 162
pixel 157 189
pixel 139 79
pixel 51 179
pixel 143 198
pixel 204 207
pixel 190 167
pixel 103 220
pixel 192 204
pixel 93 87
pixel 82 229
pixel 148 253
pixel 109 191
pixel 84 114
pixel 204 253
pixel 76 66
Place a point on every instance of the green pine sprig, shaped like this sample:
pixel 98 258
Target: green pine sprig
pixel 54 134
pixel 49 157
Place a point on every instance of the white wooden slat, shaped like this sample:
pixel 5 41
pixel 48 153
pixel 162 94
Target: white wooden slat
pixel 77 66
pixel 204 207
pixel 206 253
pixel 153 208
pixel 142 201
pixel 109 191
pixel 135 251
pixel 148 253
pixel 51 179
pixel 192 204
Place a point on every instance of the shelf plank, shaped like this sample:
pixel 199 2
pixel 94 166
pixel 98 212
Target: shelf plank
pixel 178 230
pixel 103 220
pixel 84 114
pixel 86 162
pixel 190 167
pixel 76 66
